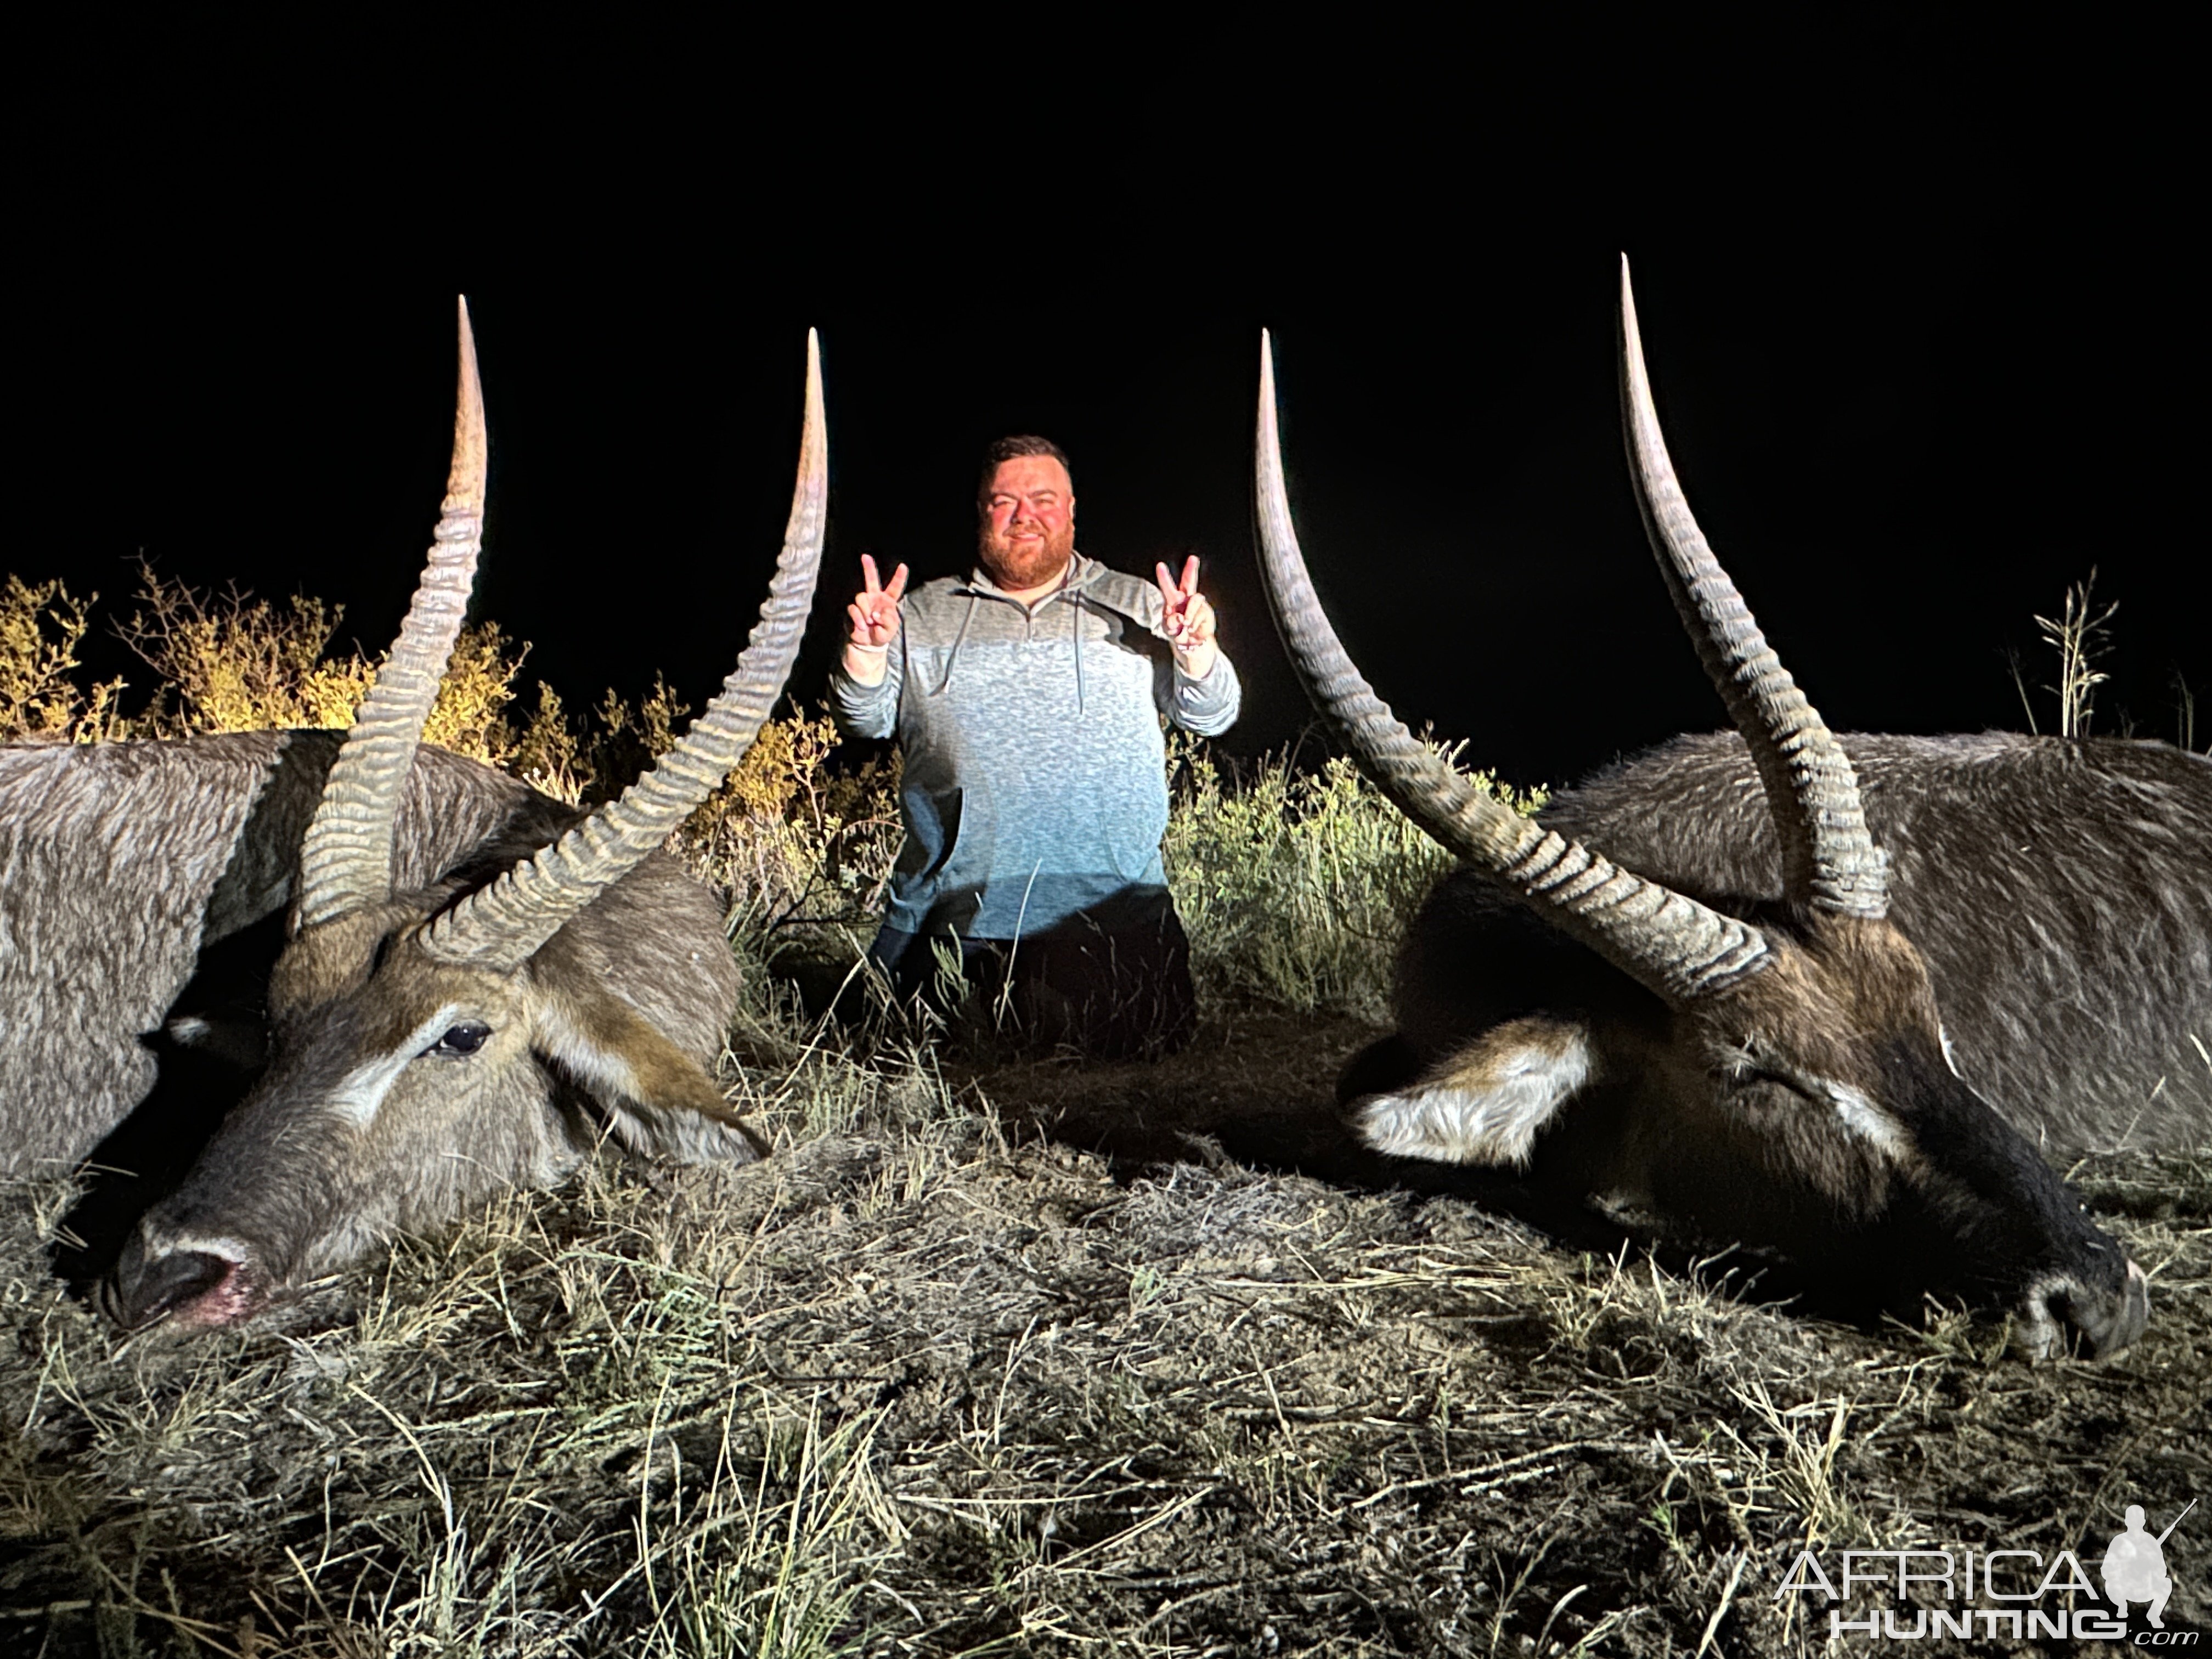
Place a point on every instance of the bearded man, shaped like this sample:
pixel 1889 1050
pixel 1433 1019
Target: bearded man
pixel 1027 698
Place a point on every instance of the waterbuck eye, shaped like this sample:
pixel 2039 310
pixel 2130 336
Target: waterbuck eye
pixel 463 1039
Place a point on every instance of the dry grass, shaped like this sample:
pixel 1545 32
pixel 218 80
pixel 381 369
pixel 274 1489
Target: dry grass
pixel 931 1382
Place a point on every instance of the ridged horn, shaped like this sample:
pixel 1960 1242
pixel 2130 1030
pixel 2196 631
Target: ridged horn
pixel 346 860
pixel 1675 946
pixel 1829 859
pixel 503 924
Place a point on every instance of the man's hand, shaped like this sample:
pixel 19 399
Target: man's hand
pixel 1187 619
pixel 875 615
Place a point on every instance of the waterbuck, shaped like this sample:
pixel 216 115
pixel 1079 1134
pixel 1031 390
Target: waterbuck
pixel 1824 995
pixel 476 984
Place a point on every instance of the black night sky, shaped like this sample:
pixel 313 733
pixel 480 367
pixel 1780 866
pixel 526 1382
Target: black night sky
pixel 1922 341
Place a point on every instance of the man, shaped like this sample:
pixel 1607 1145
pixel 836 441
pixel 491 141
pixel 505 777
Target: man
pixel 1027 699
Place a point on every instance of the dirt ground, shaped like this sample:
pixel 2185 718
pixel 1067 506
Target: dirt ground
pixel 1043 1359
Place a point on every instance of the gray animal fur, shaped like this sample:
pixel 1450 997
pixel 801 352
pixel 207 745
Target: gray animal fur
pixel 2060 890
pixel 120 862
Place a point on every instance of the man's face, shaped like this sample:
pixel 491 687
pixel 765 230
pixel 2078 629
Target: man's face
pixel 1028 533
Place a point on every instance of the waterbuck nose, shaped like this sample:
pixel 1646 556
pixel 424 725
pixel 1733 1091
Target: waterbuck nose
pixel 2095 1321
pixel 140 1292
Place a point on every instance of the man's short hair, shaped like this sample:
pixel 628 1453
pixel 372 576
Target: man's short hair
pixel 1012 449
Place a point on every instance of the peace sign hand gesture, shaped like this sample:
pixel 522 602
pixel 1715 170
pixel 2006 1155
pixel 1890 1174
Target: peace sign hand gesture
pixel 1186 620
pixel 875 618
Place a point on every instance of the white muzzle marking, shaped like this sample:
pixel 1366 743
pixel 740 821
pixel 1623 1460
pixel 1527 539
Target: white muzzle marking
pixel 1487 1116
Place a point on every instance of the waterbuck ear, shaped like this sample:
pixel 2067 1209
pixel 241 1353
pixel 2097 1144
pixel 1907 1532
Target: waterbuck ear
pixel 1483 1103
pixel 657 1099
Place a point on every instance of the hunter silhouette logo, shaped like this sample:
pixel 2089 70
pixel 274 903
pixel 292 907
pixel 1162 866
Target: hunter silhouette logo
pixel 2134 1566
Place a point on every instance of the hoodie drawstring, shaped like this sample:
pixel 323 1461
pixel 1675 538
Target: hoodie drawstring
pixel 953 655
pixel 1075 622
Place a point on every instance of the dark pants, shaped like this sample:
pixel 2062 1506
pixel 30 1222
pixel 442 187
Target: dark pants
pixel 1113 992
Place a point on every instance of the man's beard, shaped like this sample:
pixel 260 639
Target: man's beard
pixel 1022 565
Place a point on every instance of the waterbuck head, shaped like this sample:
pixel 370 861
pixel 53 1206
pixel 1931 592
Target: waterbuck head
pixel 429 1047
pixel 1780 1076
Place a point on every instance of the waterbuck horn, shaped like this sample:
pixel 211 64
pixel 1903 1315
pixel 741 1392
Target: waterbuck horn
pixel 1829 861
pixel 503 924
pixel 346 860
pixel 1675 946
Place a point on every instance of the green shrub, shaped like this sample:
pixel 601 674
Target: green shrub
pixel 1295 886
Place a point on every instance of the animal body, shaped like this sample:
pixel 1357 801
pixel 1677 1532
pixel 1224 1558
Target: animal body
pixel 1827 995
pixel 477 983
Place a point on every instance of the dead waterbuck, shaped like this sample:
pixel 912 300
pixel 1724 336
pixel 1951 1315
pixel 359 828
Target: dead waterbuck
pixel 1734 987
pixel 477 984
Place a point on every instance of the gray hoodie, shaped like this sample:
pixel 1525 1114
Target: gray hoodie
pixel 1036 778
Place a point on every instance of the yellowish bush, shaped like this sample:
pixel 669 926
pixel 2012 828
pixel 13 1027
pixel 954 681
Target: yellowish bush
pixel 547 755
pixel 40 628
pixel 470 717
pixel 230 662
